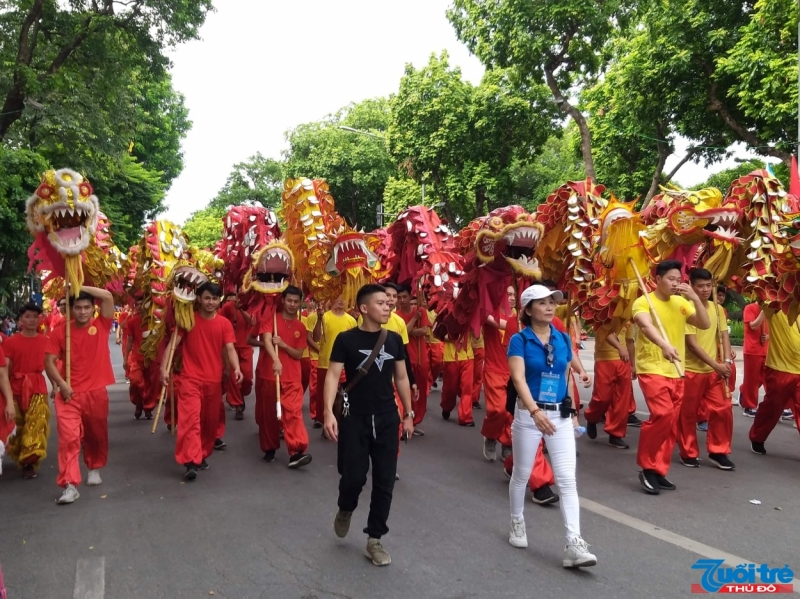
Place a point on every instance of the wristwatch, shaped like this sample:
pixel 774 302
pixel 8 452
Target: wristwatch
pixel 729 361
pixel 409 415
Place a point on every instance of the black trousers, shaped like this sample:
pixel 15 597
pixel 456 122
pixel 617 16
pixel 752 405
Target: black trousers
pixel 363 438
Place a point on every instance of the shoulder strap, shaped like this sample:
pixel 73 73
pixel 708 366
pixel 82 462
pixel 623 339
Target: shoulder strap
pixel 363 370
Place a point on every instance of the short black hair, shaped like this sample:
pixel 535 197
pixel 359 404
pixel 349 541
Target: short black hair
pixel 29 307
pixel 212 288
pixel 292 290
pixel 549 283
pixel 83 295
pixel 389 285
pixel 368 291
pixel 700 274
pixel 664 267
pixel 404 288
pixel 722 289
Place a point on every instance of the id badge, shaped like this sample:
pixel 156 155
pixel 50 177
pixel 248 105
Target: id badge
pixel 548 389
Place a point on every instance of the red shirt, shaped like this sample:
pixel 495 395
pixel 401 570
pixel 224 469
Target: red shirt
pixel 134 330
pixel 55 319
pixel 27 360
pixel 558 324
pixel 2 355
pixel 240 325
pixel 203 347
pixel 417 347
pixel 752 339
pixel 91 359
pixel 293 334
pixel 495 344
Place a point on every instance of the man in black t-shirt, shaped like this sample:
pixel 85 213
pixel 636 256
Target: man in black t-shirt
pixel 369 430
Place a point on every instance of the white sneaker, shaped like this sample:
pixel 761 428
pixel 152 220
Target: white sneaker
pixel 69 495
pixel 735 399
pixel 490 449
pixel 93 479
pixel 576 555
pixel 518 537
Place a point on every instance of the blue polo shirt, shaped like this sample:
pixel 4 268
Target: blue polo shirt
pixel 526 345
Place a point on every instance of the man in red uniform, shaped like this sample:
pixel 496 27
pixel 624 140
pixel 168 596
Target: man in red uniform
pixel 56 317
pixel 288 342
pixel 756 347
pixel 8 414
pixel 82 404
pixel 25 353
pixel 419 327
pixel 121 337
pixel 144 388
pixel 242 323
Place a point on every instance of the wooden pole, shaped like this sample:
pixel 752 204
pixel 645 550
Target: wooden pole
pixel 172 403
pixel 660 326
pixel 68 356
pixel 720 346
pixel 173 343
pixel 277 377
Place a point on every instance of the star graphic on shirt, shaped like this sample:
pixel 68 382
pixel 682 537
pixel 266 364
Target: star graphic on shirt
pixel 379 360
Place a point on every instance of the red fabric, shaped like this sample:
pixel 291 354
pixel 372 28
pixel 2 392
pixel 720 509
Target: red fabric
pixel 6 426
pixel 794 178
pixel 659 432
pixel 541 474
pixel 145 387
pixel 559 324
pixel 706 386
pixel 752 339
pixel 417 347
pixel 312 388
pixel 478 364
pixel 611 396
pixel 497 422
pixel 55 320
pixel 198 417
pixel 704 409
pixel 318 398
pixel 241 328
pixel 494 350
pixel 135 330
pixel 436 355
pixel 235 394
pixel 421 374
pixel 753 377
pixel 458 382
pixel 294 430
pixel 91 359
pixel 782 389
pixel 27 362
pixel 81 421
pixel 293 334
pixel 220 434
pixel 203 347
pixel 169 418
pixel 305 372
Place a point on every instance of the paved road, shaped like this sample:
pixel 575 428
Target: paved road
pixel 247 529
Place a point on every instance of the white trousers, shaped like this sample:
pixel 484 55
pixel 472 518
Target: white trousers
pixel 525 439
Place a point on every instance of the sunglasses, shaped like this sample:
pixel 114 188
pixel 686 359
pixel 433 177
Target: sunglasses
pixel 551 357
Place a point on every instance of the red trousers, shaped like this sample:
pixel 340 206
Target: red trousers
pixel 305 372
pixel 319 394
pixel 436 355
pixel 477 372
pixel 542 473
pixel 782 389
pixel 706 388
pixel 659 432
pixel 611 396
pixel 312 388
pixel 294 431
pixel 753 377
pixel 82 420
pixel 497 422
pixel 458 383
pixel 422 373
pixel 234 393
pixel 169 418
pixel 704 409
pixel 198 418
pixel 145 386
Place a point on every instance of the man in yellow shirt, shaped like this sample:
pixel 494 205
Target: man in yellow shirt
pixel 656 367
pixel 781 379
pixel 458 380
pixel 706 380
pixel 322 328
pixel 309 363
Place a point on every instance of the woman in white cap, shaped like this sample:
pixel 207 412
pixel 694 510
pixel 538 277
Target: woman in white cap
pixel 538 357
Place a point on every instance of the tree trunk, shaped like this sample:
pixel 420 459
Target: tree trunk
pixel 480 201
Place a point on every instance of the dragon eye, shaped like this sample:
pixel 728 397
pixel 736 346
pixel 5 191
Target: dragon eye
pixel 496 222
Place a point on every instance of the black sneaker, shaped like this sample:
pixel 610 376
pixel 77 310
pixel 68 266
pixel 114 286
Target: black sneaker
pixel 749 412
pixel 138 413
pixel 203 465
pixel 239 413
pixel 690 462
pixel 649 482
pixel 663 483
pixel 617 442
pixel 269 456
pixel 467 424
pixel 507 473
pixel 721 461
pixel 544 496
pixel 476 405
pixel 591 430
pixel 148 414
pixel 191 472
pixel 434 386
pixel 634 421
pixel 219 444
pixel 280 434
pixel 418 432
pixel 445 414
pixel 317 424
pixel 296 461
pixel 758 448
pixel 396 477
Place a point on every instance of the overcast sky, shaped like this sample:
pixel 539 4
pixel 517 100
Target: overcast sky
pixel 265 66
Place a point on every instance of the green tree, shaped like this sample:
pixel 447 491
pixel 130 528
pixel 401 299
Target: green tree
pixel 722 180
pixel 204 227
pixel 257 179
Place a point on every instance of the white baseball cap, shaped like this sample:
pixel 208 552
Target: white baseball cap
pixel 537 292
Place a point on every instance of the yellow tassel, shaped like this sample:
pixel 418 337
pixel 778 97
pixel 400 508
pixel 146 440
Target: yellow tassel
pixel 74 271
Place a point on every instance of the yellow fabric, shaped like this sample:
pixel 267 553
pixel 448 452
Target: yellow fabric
pixel 783 353
pixel 476 343
pixel 33 429
pixel 463 354
pixel 707 340
pixel 430 338
pixel 308 352
pixel 395 324
pixel 673 314
pixel 603 350
pixel 332 325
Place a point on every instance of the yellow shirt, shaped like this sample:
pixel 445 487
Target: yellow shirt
pixel 463 354
pixel 706 339
pixel 783 353
pixel 603 351
pixel 477 343
pixel 673 314
pixel 396 324
pixel 309 352
pixel 430 338
pixel 332 325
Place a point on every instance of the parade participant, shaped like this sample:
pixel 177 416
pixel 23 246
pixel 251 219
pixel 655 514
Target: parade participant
pixel 781 379
pixel 143 391
pixel 199 386
pixel 419 327
pixel 706 381
pixel 287 341
pixel 538 357
pixel 242 323
pixel 478 361
pixel 658 360
pixel 457 380
pixel 25 352
pixel 310 364
pixel 613 386
pixel 56 317
pixel 82 405
pixel 756 347
pixel 367 431
pixel 324 328
pixel 9 414
pixel 435 354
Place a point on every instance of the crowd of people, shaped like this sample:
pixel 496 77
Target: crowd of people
pixel 368 373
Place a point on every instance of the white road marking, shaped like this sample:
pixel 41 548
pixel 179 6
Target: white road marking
pixel 90 578
pixel 670 537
